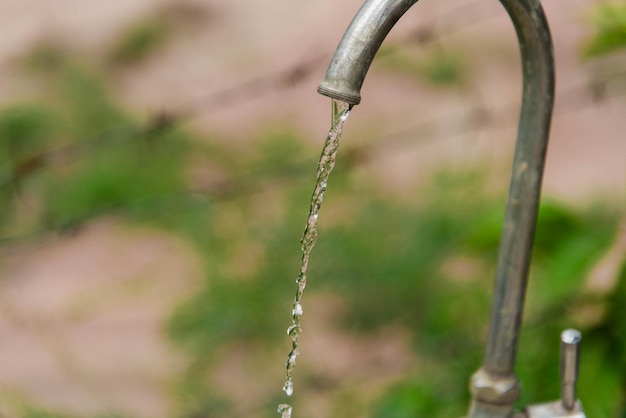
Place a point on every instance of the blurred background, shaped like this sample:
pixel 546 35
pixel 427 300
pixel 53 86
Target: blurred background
pixel 156 163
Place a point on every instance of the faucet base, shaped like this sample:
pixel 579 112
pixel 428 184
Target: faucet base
pixel 493 396
pixel 480 409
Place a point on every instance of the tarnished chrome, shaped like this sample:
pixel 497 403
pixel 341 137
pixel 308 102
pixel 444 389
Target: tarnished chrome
pixel 495 394
pixel 343 81
pixel 494 390
pixel 568 405
pixel 357 48
pixel 570 353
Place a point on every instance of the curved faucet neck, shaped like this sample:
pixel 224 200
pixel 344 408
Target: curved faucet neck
pixel 357 48
pixel 495 387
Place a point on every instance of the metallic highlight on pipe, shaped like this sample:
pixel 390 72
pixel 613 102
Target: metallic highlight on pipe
pixel 495 386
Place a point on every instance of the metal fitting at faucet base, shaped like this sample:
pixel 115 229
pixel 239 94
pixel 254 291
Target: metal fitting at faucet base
pixel 493 396
pixel 494 390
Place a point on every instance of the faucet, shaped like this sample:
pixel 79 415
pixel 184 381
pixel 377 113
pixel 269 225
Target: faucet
pixel 495 387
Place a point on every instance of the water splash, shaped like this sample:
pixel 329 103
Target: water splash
pixel 340 112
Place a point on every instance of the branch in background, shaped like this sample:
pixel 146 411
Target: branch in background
pixel 249 90
pixel 473 119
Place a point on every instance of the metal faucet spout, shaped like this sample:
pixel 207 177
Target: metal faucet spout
pixel 495 387
pixel 359 45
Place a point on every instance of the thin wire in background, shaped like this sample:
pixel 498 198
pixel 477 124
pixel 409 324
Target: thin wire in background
pixel 574 98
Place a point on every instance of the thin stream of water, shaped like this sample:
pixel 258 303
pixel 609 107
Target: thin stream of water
pixel 340 112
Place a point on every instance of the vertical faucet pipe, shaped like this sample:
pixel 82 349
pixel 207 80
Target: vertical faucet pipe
pixel 495 387
pixel 521 213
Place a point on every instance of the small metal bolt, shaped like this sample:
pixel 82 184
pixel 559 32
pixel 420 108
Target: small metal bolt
pixel 570 353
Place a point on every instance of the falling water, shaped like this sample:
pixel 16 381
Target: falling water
pixel 340 112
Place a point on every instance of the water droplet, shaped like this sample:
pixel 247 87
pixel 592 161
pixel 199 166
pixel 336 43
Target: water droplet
pixel 288 388
pixel 294 330
pixel 284 410
pixel 293 355
pixel 297 309
pixel 292 360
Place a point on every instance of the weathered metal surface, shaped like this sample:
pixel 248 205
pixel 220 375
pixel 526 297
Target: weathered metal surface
pixel 343 81
pixel 570 354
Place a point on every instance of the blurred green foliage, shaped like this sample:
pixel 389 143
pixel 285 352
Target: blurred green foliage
pixel 436 65
pixel 23 130
pixel 139 41
pixel 145 37
pixel 389 261
pixel 609 22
